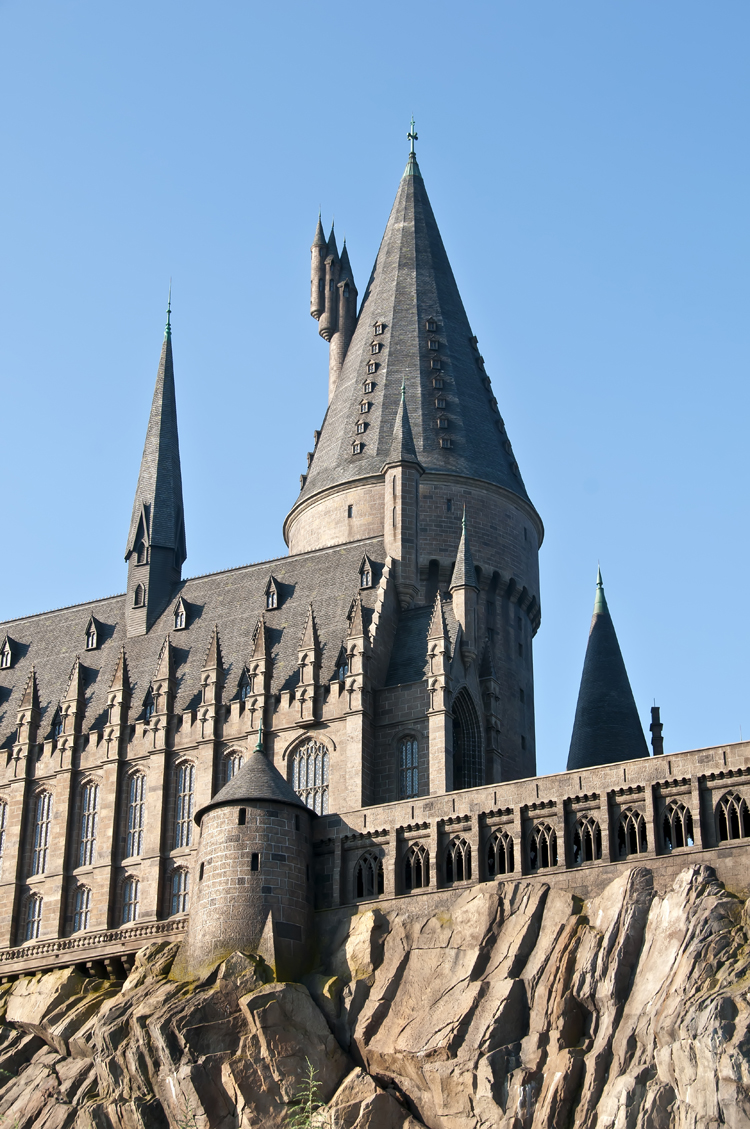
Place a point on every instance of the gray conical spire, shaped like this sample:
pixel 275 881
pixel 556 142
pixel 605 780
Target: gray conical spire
pixel 402 449
pixel 425 336
pixel 320 239
pixel 606 727
pixel 158 495
pixel 464 572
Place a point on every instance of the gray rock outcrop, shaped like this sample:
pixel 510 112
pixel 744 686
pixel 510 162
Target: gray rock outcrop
pixel 514 1006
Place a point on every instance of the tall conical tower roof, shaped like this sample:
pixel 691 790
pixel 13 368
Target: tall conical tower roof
pixel 411 288
pixel 159 490
pixel 606 727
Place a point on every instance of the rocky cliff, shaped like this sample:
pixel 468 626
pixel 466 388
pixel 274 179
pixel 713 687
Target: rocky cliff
pixel 516 1006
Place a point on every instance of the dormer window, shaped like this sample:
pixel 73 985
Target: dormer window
pixel 379 327
pixel 57 725
pixel 139 596
pixel 245 687
pixel 440 402
pixel 433 343
pixel 445 442
pixel 368 387
pixel 140 552
pixel 364 406
pixel 180 615
pixel 365 573
pixel 92 635
pixel 357 448
pixel 343 669
pixel 6 655
pixel 431 325
pixel 372 366
pixel 272 595
pixel 361 428
pixel 375 347
pixel 436 363
pixel 442 421
pixel 437 382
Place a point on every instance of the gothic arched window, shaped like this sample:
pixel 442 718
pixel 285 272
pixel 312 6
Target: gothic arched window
pixel 368 876
pixel 180 890
pixel 148 706
pixel 542 847
pixel 233 761
pixel 408 767
pixel 458 861
pixel 82 909
pixel 6 655
pixel 310 775
pixel 3 826
pixel 42 826
pixel 587 841
pixel 139 596
pixel 500 855
pixel 631 833
pixel 136 814
pixel 677 826
pixel 183 824
pixel 89 817
pixel 732 818
pixel 416 867
pixel 131 897
pixel 33 920
pixel 57 724
pixel 468 762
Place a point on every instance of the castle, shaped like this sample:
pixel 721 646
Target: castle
pixel 235 759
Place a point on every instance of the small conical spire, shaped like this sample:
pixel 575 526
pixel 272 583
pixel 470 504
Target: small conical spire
pixel 345 267
pixel 121 678
pixel 403 449
pixel 464 572
pixel 437 628
pixel 74 681
pixel 320 239
pixel 30 699
pixel 213 655
pixel 332 248
pixel 412 168
pixel 607 728
pixel 309 638
pixel 164 666
pixel 356 626
pixel 259 639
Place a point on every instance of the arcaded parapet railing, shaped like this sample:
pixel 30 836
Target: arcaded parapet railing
pixel 86 947
pixel 569 824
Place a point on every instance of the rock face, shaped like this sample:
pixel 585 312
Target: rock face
pixel 518 1007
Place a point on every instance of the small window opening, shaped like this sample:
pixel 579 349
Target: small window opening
pixel 372 367
pixel 369 386
pixel 364 406
pixel 201 872
pixel 242 817
pixel 521 695
pixel 434 344
pixel 255 861
pixel 449 506
pixel 356 448
pixel 350 511
pixel 525 533
pixel 346 289
pixel 520 650
pixel 375 347
pixel 179 620
pixel 271 598
pixel 378 328
pixel 365 578
pixel 523 742
pixel 138 596
pixel 446 442
pixel 431 325
pixel 361 428
pixel 440 402
pixel 91 640
pixel 437 382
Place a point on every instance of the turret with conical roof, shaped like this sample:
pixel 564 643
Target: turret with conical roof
pixel 606 727
pixel 155 549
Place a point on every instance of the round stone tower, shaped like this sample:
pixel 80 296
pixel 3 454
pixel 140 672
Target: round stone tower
pixel 252 887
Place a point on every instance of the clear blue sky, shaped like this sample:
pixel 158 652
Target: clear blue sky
pixel 588 166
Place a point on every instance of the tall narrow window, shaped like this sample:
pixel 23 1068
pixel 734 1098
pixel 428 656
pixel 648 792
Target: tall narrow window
pixel 138 596
pixel 180 891
pixel 33 923
pixel 89 815
pixel 310 775
pixel 468 759
pixel 408 762
pixel 42 822
pixel 6 655
pixel 3 825
pixel 136 813
pixel 82 911
pixel 233 762
pixel 148 706
pixel 183 827
pixel 131 896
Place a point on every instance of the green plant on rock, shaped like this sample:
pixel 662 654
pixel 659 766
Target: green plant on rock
pixel 307 1111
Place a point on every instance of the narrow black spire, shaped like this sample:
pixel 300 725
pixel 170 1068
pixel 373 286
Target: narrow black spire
pixel 156 549
pixel 606 727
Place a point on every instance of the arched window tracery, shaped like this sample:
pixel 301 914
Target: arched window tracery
pixel 368 876
pixel 416 867
pixel 542 847
pixel 180 891
pixel 310 769
pixel 136 814
pixel 33 917
pixel 408 766
pixel 183 823
pixel 89 819
pixel 468 760
pixel 42 827
pixel 732 818
pixel 458 860
pixel 631 833
pixel 500 852
pixel 233 762
pixel 587 841
pixel 131 898
pixel 82 908
pixel 677 826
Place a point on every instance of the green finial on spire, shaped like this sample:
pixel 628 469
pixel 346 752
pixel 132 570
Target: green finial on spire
pixel 600 603
pixel 412 135
pixel 403 387
pixel 168 330
pixel 259 745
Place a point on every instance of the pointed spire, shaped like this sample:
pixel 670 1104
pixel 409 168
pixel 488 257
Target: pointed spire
pixel 356 623
pixel 158 494
pixel 345 267
pixel 437 628
pixel 30 699
pixel 259 639
pixel 402 448
pixel 607 728
pixel 309 640
pixel 464 572
pixel 164 665
pixel 75 684
pixel 320 239
pixel 331 245
pixel 412 168
pixel 213 659
pixel 121 677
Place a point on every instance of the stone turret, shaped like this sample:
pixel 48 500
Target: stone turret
pixel 254 882
pixel 606 727
pixel 156 549
pixel 403 470
pixel 333 299
pixel 464 589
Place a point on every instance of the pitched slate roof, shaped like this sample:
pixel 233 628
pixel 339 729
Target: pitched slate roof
pixel 606 727
pixel 411 282
pixel 258 779
pixel 235 600
pixel 159 487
